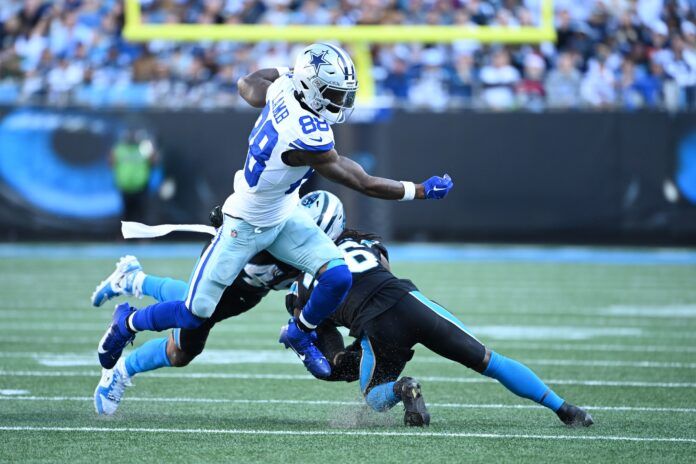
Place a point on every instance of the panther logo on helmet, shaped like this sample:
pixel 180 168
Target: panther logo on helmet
pixel 326 209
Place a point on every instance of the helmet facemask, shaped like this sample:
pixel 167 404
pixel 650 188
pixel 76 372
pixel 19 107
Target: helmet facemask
pixel 338 103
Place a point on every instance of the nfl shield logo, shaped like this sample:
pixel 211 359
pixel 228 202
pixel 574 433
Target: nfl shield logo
pixel 233 233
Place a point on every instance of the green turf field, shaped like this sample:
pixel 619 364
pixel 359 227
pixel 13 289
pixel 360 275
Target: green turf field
pixel 618 339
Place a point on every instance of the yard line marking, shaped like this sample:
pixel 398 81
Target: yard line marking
pixel 494 332
pixel 600 347
pixel 10 392
pixel 517 345
pixel 244 376
pixel 343 432
pixel 343 403
pixel 578 363
pixel 236 356
pixel 666 311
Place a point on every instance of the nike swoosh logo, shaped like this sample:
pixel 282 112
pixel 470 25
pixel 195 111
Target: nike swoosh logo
pixel 100 347
pixel 435 189
pixel 315 140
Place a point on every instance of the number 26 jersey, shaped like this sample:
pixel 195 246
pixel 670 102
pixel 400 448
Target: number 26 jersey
pixel 266 189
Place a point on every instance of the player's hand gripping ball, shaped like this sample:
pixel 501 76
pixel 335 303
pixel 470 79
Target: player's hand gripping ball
pixel 437 188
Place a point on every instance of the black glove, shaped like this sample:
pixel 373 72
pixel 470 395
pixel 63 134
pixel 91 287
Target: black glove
pixel 216 216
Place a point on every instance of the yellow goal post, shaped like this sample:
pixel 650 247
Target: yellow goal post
pixel 358 37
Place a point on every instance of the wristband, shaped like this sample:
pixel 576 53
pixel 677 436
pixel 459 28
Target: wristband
pixel 409 191
pixel 282 70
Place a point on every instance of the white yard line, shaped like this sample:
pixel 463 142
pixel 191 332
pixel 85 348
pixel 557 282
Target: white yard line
pixel 338 403
pixel 343 432
pixel 254 343
pixel 246 376
pixel 278 356
pixel 599 347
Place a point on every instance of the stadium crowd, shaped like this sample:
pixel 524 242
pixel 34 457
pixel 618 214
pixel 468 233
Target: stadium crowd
pixel 610 53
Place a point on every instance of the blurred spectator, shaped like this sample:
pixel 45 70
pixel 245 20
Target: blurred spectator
pixel 681 66
pixel 62 79
pixel 630 96
pixel 530 90
pixel 563 84
pixel 499 80
pixel 464 78
pixel 651 86
pixel 428 90
pixel 598 86
pixel 398 79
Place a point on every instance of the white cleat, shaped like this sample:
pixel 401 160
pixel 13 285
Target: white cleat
pixel 111 388
pixel 120 282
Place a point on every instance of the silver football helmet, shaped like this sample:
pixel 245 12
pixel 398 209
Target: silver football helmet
pixel 327 211
pixel 325 76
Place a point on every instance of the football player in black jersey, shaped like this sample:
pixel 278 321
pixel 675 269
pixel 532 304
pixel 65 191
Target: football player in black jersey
pixel 262 274
pixel 388 316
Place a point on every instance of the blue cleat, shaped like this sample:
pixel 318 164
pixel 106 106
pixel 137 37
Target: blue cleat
pixel 120 282
pixel 111 389
pixel 302 343
pixel 116 338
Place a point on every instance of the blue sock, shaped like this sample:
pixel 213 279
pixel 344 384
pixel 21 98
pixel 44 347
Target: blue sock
pixel 152 355
pixel 520 380
pixel 382 397
pixel 331 288
pixel 165 315
pixel 164 288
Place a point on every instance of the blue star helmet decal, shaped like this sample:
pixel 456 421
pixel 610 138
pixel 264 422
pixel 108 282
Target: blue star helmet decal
pixel 318 60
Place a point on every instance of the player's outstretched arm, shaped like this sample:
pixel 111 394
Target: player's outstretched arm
pixel 347 172
pixel 253 87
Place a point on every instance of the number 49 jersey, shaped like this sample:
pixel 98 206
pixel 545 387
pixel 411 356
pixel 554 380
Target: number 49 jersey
pixel 266 190
pixel 375 289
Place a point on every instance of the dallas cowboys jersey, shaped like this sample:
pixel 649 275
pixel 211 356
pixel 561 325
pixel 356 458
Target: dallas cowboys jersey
pixel 266 190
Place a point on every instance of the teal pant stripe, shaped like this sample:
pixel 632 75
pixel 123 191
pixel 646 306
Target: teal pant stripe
pixel 335 262
pixel 367 363
pixel 177 337
pixel 442 312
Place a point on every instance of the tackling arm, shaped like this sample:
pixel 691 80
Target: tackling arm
pixel 253 87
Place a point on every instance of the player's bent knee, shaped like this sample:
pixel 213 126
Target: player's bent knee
pixel 337 276
pixel 202 306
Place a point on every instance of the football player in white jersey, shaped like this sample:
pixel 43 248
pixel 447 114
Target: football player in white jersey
pixel 291 139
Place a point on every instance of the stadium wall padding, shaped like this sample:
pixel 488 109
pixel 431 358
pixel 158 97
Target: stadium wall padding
pixel 575 176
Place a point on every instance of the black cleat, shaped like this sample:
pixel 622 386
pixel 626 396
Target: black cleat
pixel 573 416
pixel 416 413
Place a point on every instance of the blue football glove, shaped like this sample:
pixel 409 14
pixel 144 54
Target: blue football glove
pixel 437 188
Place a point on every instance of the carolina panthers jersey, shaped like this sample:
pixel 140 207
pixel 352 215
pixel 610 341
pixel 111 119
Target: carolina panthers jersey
pixel 375 289
pixel 266 190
